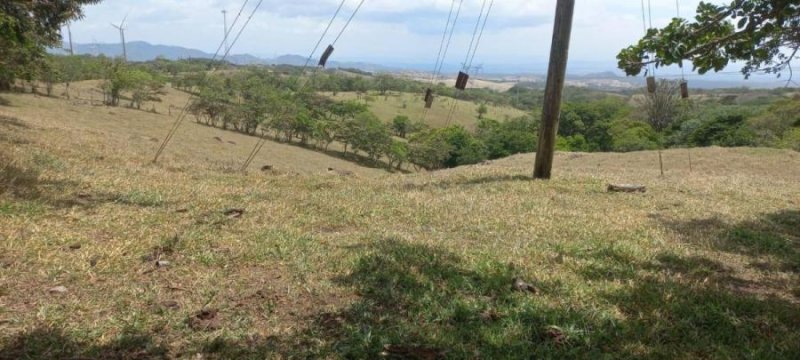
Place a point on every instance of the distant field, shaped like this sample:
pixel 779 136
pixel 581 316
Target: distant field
pixel 104 255
pixel 411 105
pixel 475 83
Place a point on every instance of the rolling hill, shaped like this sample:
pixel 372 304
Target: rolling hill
pixel 104 254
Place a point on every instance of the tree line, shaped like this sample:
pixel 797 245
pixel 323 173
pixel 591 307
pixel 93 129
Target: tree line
pixel 290 106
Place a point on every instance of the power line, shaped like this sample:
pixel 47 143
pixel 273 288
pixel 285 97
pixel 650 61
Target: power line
pixel 182 115
pixel 348 22
pixel 440 57
pixel 480 35
pixel 476 40
pixel 262 141
pixel 474 35
pixel 327 28
pixel 449 39
pixel 444 37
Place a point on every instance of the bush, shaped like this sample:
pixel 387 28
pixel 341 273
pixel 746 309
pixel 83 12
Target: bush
pixel 727 130
pixel 398 153
pixel 631 135
pixel 370 135
pixel 791 139
pixel 401 125
pixel 465 148
pixel 508 138
pixel 428 150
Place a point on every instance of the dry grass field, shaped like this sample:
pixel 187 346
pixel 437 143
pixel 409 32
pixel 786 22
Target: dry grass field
pixel 105 255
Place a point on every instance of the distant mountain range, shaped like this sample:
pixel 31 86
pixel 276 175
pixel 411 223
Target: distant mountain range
pixel 144 51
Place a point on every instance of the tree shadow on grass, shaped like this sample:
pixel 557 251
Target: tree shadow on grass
pixel 430 303
pixel 11 122
pixel 774 234
pixel 55 343
pixel 693 307
pixel 469 181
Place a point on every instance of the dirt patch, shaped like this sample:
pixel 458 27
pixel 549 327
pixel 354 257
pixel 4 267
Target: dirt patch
pixel 269 295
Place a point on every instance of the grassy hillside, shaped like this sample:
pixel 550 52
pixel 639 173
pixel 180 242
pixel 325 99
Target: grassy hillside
pixel 411 105
pixel 139 133
pixel 703 265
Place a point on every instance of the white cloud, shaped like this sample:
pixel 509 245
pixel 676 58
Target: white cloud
pixel 518 31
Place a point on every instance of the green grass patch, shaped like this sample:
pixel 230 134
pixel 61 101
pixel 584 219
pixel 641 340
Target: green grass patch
pixel 46 161
pixel 21 208
pixel 142 198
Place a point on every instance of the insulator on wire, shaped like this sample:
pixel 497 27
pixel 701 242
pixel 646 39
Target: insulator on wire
pixel 428 98
pixel 323 60
pixel 684 89
pixel 461 81
pixel 651 84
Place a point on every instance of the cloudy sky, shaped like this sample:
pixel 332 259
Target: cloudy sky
pixel 384 31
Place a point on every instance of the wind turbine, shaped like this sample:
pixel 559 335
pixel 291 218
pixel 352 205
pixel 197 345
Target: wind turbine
pixel 69 33
pixel 121 28
pixel 225 28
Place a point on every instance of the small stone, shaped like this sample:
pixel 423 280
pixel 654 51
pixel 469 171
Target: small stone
pixel 171 304
pixel 75 247
pixel 233 213
pixel 522 286
pixel 162 263
pixel 93 261
pixel 57 290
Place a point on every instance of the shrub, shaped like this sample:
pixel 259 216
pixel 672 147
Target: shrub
pixel 428 150
pixel 401 125
pixel 398 153
pixel 727 130
pixel 370 135
pixel 791 139
pixel 631 135
pixel 508 138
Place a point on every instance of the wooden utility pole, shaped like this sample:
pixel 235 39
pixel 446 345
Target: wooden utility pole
pixel 556 75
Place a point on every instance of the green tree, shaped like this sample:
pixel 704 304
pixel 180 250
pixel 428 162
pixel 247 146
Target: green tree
pixel 428 150
pixel 781 117
pixel 370 135
pixel 398 153
pixel 144 87
pixel 401 125
pixel 27 28
pixel 762 34
pixel 510 137
pixel 725 130
pixel 629 135
pixel 791 139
